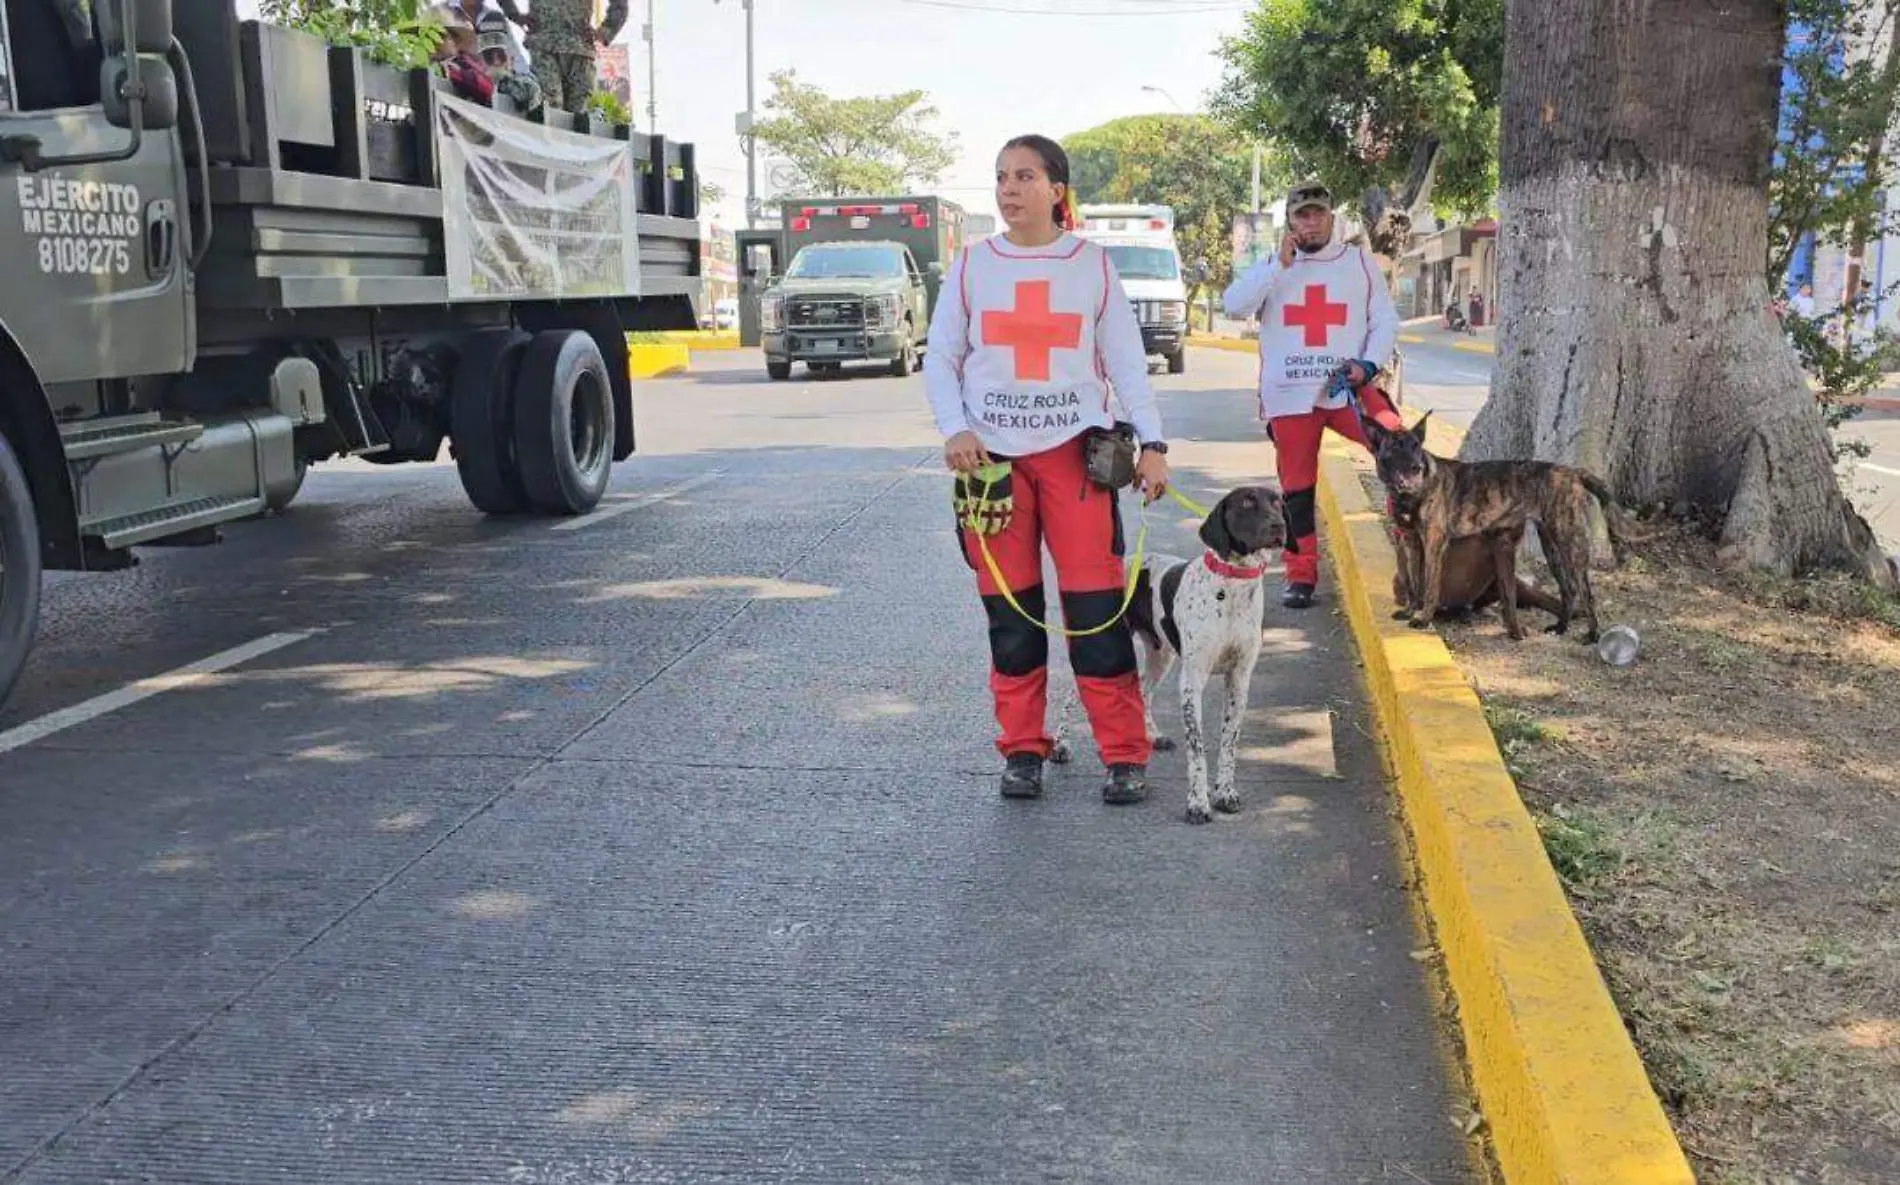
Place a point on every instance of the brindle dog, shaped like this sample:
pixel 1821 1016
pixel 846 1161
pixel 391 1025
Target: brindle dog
pixel 1476 567
pixel 1494 501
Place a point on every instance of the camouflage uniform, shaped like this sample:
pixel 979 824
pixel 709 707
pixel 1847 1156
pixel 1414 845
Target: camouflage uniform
pixel 563 46
pixel 492 39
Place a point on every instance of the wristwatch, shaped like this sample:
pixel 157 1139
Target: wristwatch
pixel 1155 446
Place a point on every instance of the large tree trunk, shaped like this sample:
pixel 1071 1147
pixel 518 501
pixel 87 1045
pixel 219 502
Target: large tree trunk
pixel 1636 336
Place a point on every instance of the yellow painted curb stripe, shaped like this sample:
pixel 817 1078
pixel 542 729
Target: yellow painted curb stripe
pixel 645 361
pixel 1471 347
pixel 1559 1082
pixel 1238 345
pixel 698 339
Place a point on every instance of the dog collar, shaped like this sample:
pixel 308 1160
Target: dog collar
pixel 1221 567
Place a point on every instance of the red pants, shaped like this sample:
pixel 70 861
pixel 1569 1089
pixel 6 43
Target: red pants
pixel 1057 505
pixel 1296 455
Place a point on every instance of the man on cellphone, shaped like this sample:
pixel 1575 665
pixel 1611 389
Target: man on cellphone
pixel 1323 308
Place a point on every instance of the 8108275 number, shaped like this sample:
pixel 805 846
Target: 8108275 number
pixel 85 257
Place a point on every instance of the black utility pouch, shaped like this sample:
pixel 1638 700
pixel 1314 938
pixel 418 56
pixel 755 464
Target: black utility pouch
pixel 1108 456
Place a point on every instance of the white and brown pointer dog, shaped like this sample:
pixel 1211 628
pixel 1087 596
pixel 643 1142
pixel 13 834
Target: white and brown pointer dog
pixel 1206 613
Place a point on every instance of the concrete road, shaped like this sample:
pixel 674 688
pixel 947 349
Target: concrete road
pixel 384 843
pixel 1455 383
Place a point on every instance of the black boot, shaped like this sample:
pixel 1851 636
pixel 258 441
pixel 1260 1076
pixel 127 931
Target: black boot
pixel 1297 596
pixel 1023 777
pixel 1126 783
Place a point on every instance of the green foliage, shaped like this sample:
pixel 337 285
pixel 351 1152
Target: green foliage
pixel 608 106
pixel 400 33
pixel 1346 90
pixel 1837 126
pixel 866 144
pixel 1189 162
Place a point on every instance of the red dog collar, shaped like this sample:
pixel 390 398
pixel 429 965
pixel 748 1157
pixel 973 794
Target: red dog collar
pixel 1221 567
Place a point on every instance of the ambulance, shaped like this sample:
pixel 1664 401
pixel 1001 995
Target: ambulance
pixel 1140 242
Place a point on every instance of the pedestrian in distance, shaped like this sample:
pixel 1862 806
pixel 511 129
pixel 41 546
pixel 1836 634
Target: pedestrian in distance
pixel 563 45
pixel 1324 311
pixel 1030 339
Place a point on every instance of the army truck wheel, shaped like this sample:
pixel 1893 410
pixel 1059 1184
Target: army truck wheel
pixel 19 570
pixel 778 371
pixel 564 422
pixel 1177 361
pixel 481 420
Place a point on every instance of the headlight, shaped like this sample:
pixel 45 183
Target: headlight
pixel 769 313
pixel 1173 312
pixel 880 311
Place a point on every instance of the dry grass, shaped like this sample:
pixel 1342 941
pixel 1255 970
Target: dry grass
pixel 1725 814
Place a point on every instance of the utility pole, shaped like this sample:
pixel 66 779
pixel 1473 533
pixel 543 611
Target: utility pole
pixel 743 125
pixel 653 78
pixel 751 145
pixel 1256 176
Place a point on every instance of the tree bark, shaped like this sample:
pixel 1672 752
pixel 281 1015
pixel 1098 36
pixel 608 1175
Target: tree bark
pixel 1636 337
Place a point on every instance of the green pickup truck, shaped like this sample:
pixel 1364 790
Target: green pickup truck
pixel 841 302
pixel 862 281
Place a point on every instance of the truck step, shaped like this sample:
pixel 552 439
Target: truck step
pixel 123 434
pixel 128 529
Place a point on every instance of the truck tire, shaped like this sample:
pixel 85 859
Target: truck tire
pixel 564 422
pixel 906 361
pixel 1177 361
pixel 778 371
pixel 19 570
pixel 481 419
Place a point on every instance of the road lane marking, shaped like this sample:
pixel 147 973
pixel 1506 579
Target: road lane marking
pixel 1878 469
pixel 637 501
pixel 191 675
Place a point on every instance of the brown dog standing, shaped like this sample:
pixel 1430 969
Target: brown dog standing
pixel 1490 503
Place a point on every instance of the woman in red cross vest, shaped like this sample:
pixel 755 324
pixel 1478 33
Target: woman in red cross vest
pixel 1322 305
pixel 1031 335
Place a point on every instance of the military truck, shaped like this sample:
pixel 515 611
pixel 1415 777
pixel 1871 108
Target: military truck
pixel 232 251
pixel 861 283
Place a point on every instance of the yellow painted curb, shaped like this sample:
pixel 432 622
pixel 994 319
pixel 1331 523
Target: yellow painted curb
pixel 1560 1084
pixel 1238 345
pixel 1471 347
pixel 645 361
pixel 699 339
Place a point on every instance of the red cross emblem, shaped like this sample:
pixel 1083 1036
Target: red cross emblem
pixel 1032 331
pixel 1314 316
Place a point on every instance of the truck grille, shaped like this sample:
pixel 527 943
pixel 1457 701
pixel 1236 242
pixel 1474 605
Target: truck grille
pixel 806 312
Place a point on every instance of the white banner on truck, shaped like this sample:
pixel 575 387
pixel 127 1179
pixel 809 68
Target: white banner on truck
pixel 534 211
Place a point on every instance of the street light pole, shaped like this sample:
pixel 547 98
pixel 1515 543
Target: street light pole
pixel 743 125
pixel 751 143
pixel 653 77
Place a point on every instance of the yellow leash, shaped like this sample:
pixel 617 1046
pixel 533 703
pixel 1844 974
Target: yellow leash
pixel 1128 592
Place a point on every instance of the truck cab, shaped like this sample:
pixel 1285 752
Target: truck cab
pixel 1140 242
pixel 846 301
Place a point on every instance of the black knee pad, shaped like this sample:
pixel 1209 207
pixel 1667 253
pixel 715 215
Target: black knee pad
pixel 1106 654
pixel 1017 646
pixel 1300 520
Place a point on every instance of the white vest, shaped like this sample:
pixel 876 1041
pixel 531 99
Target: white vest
pixel 1034 377
pixel 1317 317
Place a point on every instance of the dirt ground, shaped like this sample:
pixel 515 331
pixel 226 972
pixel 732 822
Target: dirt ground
pixel 1725 814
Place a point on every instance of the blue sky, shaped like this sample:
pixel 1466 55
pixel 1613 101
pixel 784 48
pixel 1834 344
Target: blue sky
pixel 991 74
